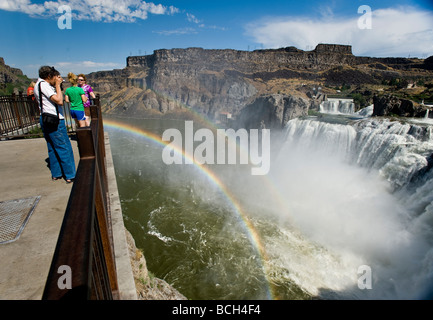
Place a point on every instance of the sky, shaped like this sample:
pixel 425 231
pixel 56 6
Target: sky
pixel 84 36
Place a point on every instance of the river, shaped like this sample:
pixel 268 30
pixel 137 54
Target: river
pixel 344 213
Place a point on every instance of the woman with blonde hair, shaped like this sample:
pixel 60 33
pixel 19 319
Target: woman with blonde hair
pixel 31 90
pixel 76 96
pixel 82 83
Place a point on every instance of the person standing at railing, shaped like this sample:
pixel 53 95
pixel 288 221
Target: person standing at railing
pixel 76 96
pixel 31 90
pixel 82 82
pixel 49 96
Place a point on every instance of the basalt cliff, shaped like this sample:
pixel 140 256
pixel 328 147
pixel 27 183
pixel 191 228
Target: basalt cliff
pixel 12 80
pixel 214 82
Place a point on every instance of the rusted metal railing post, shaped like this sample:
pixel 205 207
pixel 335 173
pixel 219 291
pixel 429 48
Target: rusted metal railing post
pixel 90 241
pixel 102 207
pixel 17 114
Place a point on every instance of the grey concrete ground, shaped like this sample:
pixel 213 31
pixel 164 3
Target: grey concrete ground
pixel 24 263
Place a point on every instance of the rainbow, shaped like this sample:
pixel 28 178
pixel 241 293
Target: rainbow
pixel 252 233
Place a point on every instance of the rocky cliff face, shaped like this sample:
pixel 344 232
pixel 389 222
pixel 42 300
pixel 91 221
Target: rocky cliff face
pixel 213 81
pixel 388 105
pixel 12 80
pixel 148 287
pixel 272 111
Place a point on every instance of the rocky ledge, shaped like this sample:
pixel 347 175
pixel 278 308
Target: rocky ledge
pixel 272 111
pixel 389 105
pixel 148 287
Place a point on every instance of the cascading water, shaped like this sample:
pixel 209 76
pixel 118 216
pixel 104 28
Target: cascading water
pixel 362 194
pixel 366 112
pixel 337 106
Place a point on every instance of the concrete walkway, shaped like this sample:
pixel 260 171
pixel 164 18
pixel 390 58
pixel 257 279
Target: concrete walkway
pixel 24 263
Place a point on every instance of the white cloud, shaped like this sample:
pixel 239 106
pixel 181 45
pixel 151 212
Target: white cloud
pixel 83 66
pixel 94 10
pixel 86 64
pixel 179 31
pixel 192 18
pixel 77 67
pixel 401 31
pixel 24 6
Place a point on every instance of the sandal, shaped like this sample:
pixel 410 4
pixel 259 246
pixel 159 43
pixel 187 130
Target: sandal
pixel 56 178
pixel 69 181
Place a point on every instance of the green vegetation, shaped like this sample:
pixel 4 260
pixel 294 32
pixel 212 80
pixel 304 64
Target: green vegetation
pixel 344 87
pixel 11 87
pixel 313 113
pixel 426 97
pixel 34 133
pixel 396 83
pixel 15 81
pixel 359 100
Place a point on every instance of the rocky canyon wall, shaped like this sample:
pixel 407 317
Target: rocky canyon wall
pixel 215 81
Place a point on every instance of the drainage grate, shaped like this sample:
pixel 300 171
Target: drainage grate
pixel 14 215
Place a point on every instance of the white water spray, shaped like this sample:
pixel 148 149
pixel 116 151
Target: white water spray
pixel 337 106
pixel 347 190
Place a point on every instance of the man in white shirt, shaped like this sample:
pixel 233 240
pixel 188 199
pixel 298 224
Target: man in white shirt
pixel 60 153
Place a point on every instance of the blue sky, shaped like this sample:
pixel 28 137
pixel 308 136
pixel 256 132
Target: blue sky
pixel 104 32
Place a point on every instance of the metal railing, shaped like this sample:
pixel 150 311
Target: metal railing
pixel 19 116
pixel 85 243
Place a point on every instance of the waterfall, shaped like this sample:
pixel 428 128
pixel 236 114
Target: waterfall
pixel 364 191
pixel 366 112
pixel 337 106
pixel 427 113
pixel 397 150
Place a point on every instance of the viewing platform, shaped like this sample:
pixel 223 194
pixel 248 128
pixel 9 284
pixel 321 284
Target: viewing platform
pixel 46 225
pixel 25 262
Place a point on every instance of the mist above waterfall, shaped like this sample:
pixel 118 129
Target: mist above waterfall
pixel 339 196
pixel 339 184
